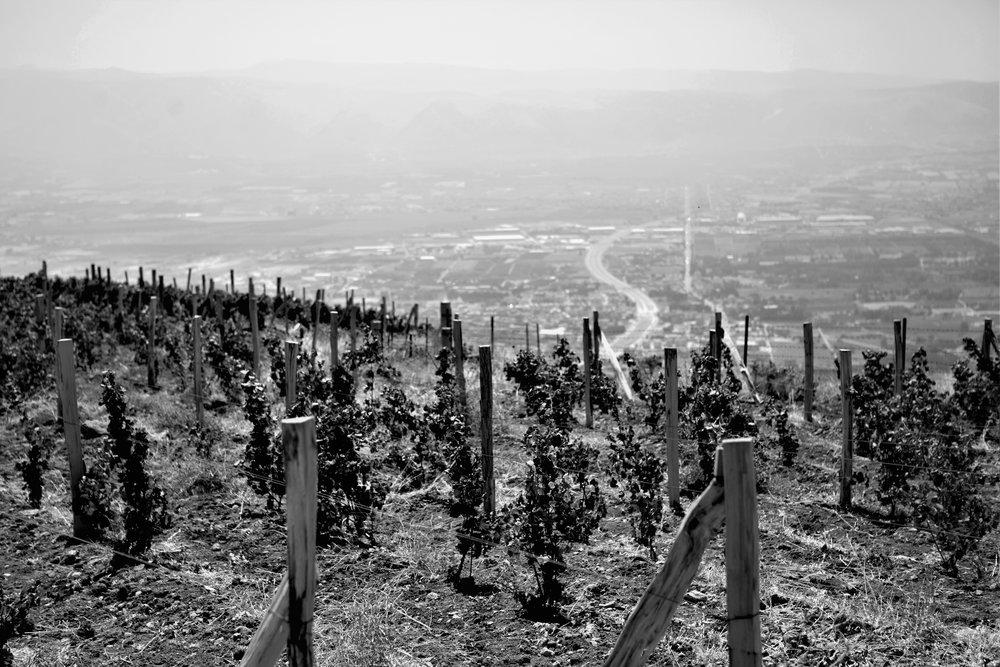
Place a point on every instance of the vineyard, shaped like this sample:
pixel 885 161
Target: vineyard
pixel 473 506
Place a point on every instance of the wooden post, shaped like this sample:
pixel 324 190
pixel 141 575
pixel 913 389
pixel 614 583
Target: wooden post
pixel 57 334
pixel 142 280
pixel 713 346
pixel 354 340
pixel 269 640
pixel 807 389
pixel 382 325
pixel 315 331
pixel 199 399
pixel 254 329
pixel 291 368
pixel 446 338
pixel 427 338
pixel 650 618
pixel 152 279
pixel 846 443
pixel 987 338
pixel 459 362
pixel 301 479
pixel 586 374
pixel 897 336
pixel 672 418
pixel 188 287
pixel 486 427
pixel 232 281
pixel 151 345
pixel 492 339
pixel 527 338
pixel 445 319
pixel 538 339
pixel 40 321
pixel 904 340
pixel 596 347
pixel 204 284
pixel 742 553
pixel 334 339
pixel 71 430
pixel 719 342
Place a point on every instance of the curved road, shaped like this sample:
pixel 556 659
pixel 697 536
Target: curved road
pixel 645 308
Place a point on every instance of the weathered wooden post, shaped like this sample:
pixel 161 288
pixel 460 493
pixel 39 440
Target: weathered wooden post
pixel 807 390
pixel 987 338
pixel 151 345
pixel 898 358
pixel 254 329
pixel 315 327
pixel 587 365
pixel 447 338
pixel 446 318
pixel 71 431
pixel 459 363
pixel 291 368
pixel 486 427
pixel 713 346
pixel 847 442
pixel 199 400
pixel 672 425
pixel 57 334
pixel 232 281
pixel 527 338
pixel 596 347
pixel 142 280
pixel 742 553
pixel 301 480
pixel 188 287
pixel 492 339
pixel 538 339
pixel 334 340
pixel 427 338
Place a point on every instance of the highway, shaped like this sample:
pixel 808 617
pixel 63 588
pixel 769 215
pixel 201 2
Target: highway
pixel 645 308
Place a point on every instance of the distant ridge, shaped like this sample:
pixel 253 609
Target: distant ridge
pixel 353 114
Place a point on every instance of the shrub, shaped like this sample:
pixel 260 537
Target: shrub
pixel 559 504
pixel 33 468
pixel 127 446
pixel 638 475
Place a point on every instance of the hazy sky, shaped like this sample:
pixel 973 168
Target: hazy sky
pixel 932 38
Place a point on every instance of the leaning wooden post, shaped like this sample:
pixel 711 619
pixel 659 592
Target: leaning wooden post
pixel 807 389
pixel 486 427
pixel 672 423
pixel 846 443
pixel 269 640
pixel 291 368
pixel 459 362
pixel 899 362
pixel 71 430
pixel 299 439
pixel 334 340
pixel 586 374
pixel 151 345
pixel 199 402
pixel 650 618
pixel 445 319
pixel 742 553
pixel 254 330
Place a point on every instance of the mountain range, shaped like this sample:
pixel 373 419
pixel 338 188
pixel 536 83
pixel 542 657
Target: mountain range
pixel 294 111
